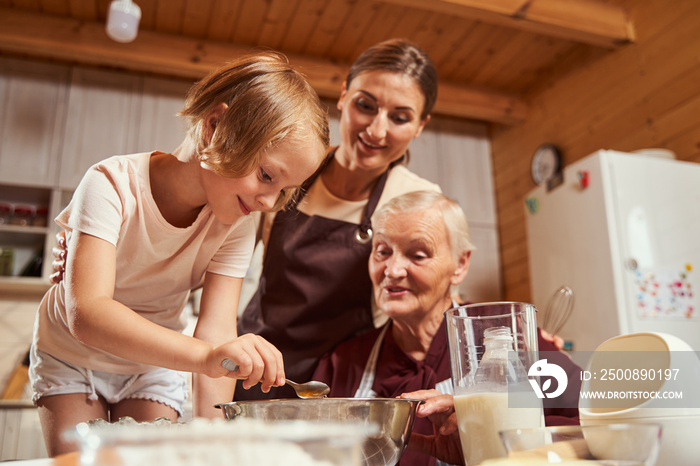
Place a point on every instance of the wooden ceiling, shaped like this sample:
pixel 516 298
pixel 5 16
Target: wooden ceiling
pixel 492 55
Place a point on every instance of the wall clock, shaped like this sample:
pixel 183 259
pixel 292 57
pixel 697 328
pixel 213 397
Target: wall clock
pixel 546 164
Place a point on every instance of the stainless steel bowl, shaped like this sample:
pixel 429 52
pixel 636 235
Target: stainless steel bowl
pixel 388 421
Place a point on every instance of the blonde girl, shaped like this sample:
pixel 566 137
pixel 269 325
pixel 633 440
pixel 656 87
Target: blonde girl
pixel 145 229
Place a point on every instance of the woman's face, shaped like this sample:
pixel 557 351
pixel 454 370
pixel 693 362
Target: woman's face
pixel 411 265
pixel 284 166
pixel 380 115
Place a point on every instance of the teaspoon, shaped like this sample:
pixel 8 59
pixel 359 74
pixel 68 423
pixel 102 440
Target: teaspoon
pixel 312 389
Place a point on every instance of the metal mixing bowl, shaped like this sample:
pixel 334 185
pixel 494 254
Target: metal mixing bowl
pixel 388 421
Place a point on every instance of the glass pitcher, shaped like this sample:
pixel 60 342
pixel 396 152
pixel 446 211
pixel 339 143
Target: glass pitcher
pixel 492 346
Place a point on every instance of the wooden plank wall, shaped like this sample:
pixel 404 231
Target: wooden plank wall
pixel 644 95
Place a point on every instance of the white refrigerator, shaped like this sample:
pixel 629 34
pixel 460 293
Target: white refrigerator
pixel 623 232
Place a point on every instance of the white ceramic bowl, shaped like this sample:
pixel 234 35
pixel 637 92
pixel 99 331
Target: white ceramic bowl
pixel 679 446
pixel 679 418
pixel 614 444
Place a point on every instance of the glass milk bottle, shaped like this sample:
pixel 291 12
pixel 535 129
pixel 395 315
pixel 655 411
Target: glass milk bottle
pixel 492 392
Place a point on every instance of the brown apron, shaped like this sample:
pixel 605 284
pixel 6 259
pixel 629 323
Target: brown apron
pixel 314 291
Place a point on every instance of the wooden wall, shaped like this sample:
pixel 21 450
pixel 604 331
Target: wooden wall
pixel 643 95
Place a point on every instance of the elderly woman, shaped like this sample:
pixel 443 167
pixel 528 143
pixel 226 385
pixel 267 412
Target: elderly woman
pixel 420 251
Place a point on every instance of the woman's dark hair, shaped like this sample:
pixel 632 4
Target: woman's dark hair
pixel 404 57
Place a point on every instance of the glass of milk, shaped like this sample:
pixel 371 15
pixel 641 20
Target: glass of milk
pixel 492 346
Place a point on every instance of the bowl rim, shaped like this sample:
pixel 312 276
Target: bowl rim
pixel 323 400
pixel 200 429
pixel 581 428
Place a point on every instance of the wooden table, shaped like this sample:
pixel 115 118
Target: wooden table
pixel 69 459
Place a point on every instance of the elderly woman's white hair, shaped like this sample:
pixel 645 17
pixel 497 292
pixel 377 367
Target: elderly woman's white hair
pixel 418 201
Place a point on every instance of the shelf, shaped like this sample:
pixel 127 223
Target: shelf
pixel 24 229
pixel 24 285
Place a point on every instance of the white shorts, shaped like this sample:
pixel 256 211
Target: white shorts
pixel 50 376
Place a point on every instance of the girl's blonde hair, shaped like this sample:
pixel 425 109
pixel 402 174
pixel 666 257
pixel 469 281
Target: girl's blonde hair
pixel 268 102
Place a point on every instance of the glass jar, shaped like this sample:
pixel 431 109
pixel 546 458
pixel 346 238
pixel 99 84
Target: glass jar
pixel 22 215
pixel 40 217
pixel 5 213
pixel 7 261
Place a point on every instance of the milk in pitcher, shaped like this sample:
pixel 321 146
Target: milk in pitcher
pixel 481 415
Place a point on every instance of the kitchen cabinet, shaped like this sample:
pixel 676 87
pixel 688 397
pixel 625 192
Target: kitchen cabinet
pixel 102 120
pixel 456 155
pixel 161 128
pixel 57 121
pixel 20 432
pixel 23 245
pixel 32 111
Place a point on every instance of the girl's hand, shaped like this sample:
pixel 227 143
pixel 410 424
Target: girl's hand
pixel 59 258
pixel 257 359
pixel 444 444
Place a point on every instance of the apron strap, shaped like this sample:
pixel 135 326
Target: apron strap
pixel 444 387
pixel 363 234
pixel 365 388
pixel 364 231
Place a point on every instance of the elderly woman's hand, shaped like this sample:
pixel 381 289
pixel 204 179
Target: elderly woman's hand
pixel 444 444
pixel 556 340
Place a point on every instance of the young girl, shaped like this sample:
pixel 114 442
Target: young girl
pixel 144 229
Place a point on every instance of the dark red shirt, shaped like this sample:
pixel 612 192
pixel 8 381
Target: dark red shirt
pixel 396 373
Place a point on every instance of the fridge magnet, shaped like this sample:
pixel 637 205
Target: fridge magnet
pixel 665 294
pixel 533 205
pixel 583 179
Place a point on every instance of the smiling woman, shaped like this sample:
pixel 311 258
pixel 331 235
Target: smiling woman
pixel 314 291
pixel 414 264
pixel 381 114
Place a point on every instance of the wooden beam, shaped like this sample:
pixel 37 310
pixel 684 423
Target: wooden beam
pixel 86 43
pixel 587 21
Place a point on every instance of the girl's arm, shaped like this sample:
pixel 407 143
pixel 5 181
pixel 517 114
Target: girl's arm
pixel 96 319
pixel 216 324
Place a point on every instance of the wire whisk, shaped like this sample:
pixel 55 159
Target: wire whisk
pixel 559 309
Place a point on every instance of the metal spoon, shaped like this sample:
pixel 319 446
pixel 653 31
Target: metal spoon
pixel 311 389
